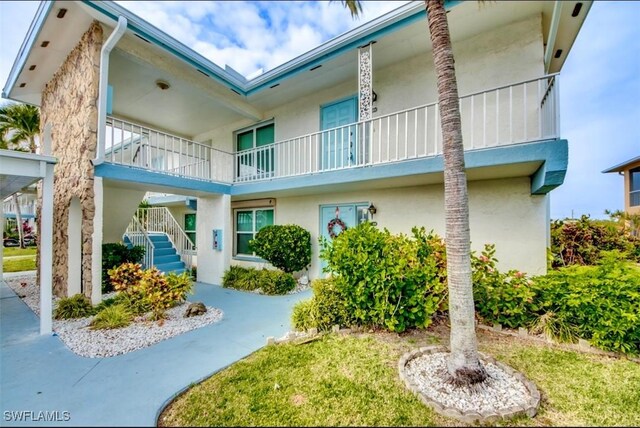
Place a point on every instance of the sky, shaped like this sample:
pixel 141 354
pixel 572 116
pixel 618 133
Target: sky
pixel 599 84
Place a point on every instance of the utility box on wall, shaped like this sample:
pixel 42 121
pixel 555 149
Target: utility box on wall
pixel 217 239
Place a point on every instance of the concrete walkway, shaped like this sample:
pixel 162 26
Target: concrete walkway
pixel 38 373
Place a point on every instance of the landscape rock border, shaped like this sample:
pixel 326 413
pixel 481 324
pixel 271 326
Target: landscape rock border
pixel 470 417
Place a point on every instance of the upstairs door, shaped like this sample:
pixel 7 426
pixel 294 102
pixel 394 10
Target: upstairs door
pixel 338 145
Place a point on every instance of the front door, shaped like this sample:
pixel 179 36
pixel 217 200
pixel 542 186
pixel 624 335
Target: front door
pixel 338 142
pixel 350 214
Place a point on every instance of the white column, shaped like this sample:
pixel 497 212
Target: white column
pixel 96 253
pixel 46 252
pixel 214 212
pixel 74 248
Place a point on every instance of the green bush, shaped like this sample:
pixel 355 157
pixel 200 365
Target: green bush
pixel 180 285
pixel 391 281
pixel 325 309
pixel 601 302
pixel 115 254
pixel 287 247
pixel 115 316
pixel 505 298
pixel 77 306
pixel 580 242
pixel 250 279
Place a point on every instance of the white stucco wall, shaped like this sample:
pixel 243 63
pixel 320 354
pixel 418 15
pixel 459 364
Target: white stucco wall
pixel 119 206
pixel 502 212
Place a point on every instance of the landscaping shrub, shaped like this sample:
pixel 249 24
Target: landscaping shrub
pixel 77 306
pixel 286 247
pixel 250 279
pixel 144 290
pixel 580 242
pixel 325 309
pixel 505 298
pixel 115 254
pixel 391 281
pixel 602 302
pixel 115 316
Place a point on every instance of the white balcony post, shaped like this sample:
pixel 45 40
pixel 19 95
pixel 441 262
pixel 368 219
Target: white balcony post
pixel 46 252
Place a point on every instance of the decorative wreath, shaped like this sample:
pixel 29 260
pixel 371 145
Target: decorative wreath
pixel 332 224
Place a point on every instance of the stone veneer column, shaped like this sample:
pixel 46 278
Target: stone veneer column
pixel 69 104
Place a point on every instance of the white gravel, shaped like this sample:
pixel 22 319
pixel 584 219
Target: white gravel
pixel 498 393
pixel 83 341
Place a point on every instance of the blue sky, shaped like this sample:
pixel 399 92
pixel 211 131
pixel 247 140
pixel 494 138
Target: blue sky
pixel 600 81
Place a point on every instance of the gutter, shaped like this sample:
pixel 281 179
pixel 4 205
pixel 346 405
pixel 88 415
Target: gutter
pixel 553 32
pixel 118 32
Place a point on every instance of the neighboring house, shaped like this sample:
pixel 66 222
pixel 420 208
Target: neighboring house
pixel 27 200
pixel 350 125
pixel 631 172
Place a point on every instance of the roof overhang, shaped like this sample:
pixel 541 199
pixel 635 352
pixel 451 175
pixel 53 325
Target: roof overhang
pixel 66 31
pixel 623 166
pixel 20 170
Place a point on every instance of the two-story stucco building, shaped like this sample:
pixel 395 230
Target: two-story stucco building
pixel 348 129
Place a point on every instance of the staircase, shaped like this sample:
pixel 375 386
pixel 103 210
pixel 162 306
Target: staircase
pixel 167 246
pixel 165 257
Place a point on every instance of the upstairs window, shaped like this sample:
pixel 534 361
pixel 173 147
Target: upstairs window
pixel 634 187
pixel 254 158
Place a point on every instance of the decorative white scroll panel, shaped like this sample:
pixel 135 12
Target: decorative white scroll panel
pixel 365 82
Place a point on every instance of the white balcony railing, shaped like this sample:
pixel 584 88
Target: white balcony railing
pixel 139 146
pixel 26 202
pixel 519 113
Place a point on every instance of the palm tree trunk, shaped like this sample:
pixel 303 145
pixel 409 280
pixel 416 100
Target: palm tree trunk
pixel 18 219
pixel 463 363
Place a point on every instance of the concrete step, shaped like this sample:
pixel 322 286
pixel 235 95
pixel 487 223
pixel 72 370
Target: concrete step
pixel 170 267
pixel 169 258
pixel 159 252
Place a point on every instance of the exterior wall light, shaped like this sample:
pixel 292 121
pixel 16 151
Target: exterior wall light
pixel 162 84
pixel 372 210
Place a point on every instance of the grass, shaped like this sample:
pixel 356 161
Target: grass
pixel 353 381
pixel 15 251
pixel 19 265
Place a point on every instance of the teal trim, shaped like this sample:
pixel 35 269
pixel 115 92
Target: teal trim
pixel 32 34
pixel 553 154
pixel 269 78
pixel 24 216
pixel 552 172
pixel 109 99
pixel 142 176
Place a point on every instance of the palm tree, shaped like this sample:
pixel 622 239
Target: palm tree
pixel 463 364
pixel 18 123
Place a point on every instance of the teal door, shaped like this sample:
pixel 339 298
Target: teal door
pixel 338 145
pixel 350 214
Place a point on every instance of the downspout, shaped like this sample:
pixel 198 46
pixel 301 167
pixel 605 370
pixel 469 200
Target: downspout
pixel 553 32
pixel 115 36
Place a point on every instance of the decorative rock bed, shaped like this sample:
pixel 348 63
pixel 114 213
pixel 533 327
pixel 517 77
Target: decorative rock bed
pixel 77 336
pixel 504 395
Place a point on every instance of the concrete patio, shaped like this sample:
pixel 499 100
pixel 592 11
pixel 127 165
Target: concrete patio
pixel 38 373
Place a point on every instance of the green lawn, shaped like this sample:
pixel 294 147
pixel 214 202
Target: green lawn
pixel 353 381
pixel 15 251
pixel 18 259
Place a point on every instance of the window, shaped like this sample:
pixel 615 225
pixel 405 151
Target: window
pixel 634 187
pixel 248 222
pixel 255 160
pixel 190 227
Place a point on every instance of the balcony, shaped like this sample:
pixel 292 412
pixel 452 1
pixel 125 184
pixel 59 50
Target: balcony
pixel 139 146
pixel 519 113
